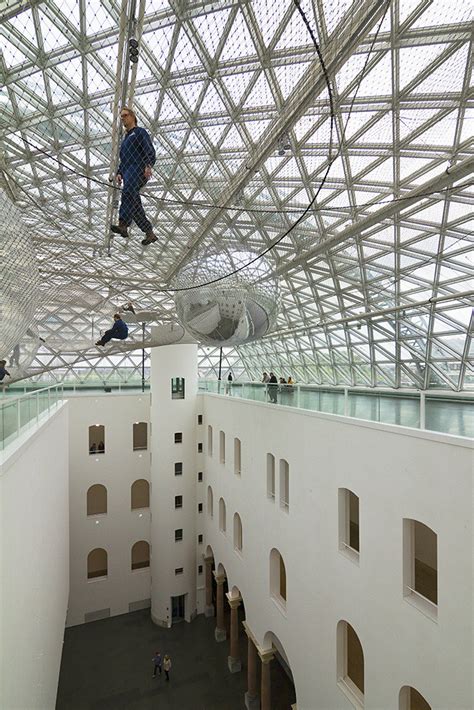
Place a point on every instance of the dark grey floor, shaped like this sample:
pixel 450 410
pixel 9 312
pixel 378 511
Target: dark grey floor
pixel 106 665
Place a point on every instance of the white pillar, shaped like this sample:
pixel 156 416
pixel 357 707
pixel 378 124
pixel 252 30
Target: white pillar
pixel 169 417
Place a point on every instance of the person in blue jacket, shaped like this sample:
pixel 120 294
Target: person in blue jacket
pixel 3 370
pixel 137 157
pixel 119 331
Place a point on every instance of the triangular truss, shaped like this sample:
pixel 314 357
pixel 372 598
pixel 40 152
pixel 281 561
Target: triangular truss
pixel 376 279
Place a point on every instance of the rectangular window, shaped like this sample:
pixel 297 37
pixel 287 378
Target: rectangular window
pixel 177 388
pixel 199 569
pixel 349 542
pixel 200 476
pixel 179 570
pixel 199 507
pixel 178 535
pixel 199 539
pixel 178 501
pixel 178 468
pixel 199 418
pixel 199 448
pixel 178 437
pixel 97 439
pixel 237 457
pixel 209 440
pixel 222 447
pixel 140 436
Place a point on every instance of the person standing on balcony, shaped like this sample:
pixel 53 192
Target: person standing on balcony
pixel 137 157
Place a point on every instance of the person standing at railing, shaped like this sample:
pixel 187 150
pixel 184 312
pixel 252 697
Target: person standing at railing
pixel 272 388
pixel 3 370
pixel 230 379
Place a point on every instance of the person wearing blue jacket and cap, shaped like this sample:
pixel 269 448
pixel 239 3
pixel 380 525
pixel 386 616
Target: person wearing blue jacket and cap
pixel 119 331
pixel 137 157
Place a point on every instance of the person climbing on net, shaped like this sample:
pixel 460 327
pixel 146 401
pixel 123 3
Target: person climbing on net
pixel 119 331
pixel 137 157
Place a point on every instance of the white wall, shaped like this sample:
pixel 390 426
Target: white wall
pixel 397 473
pixel 117 531
pixel 169 416
pixel 34 534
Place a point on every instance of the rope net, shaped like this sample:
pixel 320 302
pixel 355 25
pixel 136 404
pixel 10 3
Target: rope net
pixel 269 129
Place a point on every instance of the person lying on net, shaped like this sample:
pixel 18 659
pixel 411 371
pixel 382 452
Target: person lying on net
pixel 3 370
pixel 119 331
pixel 137 157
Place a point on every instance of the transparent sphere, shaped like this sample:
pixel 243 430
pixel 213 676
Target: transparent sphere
pixel 19 278
pixel 230 312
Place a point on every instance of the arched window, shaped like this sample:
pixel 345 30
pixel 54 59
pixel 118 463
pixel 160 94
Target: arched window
pixel 210 502
pixel 284 485
pixel 349 541
pixel 222 515
pixel 97 439
pixel 222 446
pixel 271 476
pixel 140 555
pixel 97 500
pixel 350 662
pixel 209 440
pixel 420 566
pixel 237 457
pixel 140 436
pixel 411 699
pixel 277 577
pixel 97 563
pixel 238 537
pixel 140 494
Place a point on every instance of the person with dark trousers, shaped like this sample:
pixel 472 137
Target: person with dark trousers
pixel 167 666
pixel 3 370
pixel 156 663
pixel 272 388
pixel 119 331
pixel 137 157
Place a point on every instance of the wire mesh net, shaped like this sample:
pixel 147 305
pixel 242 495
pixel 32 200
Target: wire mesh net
pixel 257 150
pixel 19 279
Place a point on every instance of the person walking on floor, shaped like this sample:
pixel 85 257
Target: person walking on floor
pixel 156 663
pixel 167 666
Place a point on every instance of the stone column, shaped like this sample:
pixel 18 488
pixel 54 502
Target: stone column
pixel 252 698
pixel 265 689
pixel 220 632
pixel 233 660
pixel 209 608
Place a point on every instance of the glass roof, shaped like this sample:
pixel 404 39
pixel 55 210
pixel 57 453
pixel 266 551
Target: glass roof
pixel 336 136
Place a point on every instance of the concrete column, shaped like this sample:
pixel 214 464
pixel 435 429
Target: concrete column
pixel 252 699
pixel 233 661
pixel 220 632
pixel 265 687
pixel 209 608
pixel 168 416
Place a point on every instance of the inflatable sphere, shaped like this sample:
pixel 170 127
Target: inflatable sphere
pixel 236 310
pixel 19 278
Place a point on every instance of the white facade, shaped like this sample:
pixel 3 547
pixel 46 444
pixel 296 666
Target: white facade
pixel 397 473
pixel 118 530
pixel 34 563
